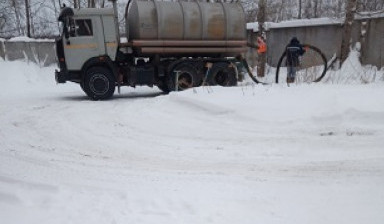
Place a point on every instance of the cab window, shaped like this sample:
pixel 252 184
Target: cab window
pixel 80 27
pixel 84 27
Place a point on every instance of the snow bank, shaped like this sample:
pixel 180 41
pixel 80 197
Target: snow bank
pixel 352 72
pixel 19 77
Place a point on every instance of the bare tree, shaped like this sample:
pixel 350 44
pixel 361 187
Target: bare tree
pixel 91 4
pixel 281 10
pixel 315 8
pixel 28 17
pixel 340 4
pixel 300 7
pixel 350 10
pixel 16 8
pixel 308 9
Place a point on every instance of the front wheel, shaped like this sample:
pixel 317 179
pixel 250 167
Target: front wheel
pixel 99 83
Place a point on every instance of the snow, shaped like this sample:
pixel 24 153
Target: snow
pixel 295 23
pixel 247 154
pixel 369 15
pixel 325 21
pixel 352 72
pixel 27 39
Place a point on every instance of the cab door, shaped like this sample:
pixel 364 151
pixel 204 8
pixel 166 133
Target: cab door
pixel 84 41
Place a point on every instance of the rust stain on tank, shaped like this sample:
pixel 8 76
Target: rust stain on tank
pixel 194 26
pixel 172 28
pixel 216 27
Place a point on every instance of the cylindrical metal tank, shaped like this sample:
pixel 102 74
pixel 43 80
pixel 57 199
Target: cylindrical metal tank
pixel 194 20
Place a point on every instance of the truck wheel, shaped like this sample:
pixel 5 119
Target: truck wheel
pixel 182 77
pixel 222 74
pixel 99 83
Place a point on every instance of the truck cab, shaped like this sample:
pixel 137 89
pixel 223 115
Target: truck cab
pixel 87 34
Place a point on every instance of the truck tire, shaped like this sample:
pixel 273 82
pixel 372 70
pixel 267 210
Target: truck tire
pixel 222 74
pixel 99 83
pixel 182 77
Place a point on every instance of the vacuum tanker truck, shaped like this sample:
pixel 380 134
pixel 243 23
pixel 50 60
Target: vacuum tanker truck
pixel 173 45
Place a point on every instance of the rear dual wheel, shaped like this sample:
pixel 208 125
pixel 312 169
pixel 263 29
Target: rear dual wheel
pixel 222 74
pixel 185 75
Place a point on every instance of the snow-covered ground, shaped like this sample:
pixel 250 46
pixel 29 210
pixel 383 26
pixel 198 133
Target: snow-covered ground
pixel 248 154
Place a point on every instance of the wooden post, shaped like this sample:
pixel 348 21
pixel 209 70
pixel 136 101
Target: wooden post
pixel 262 57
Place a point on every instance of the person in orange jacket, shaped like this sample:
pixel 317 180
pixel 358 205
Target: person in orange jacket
pixel 261 50
pixel 261 45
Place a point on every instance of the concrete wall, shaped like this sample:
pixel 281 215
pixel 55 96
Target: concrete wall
pixel 327 38
pixel 41 52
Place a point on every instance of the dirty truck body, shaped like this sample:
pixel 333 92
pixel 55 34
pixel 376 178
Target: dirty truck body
pixel 171 45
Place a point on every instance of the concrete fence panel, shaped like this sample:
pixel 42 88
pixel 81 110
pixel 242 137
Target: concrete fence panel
pixel 39 52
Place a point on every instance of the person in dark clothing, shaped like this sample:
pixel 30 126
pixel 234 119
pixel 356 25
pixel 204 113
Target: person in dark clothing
pixel 293 51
